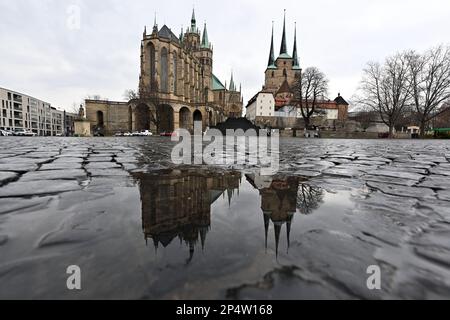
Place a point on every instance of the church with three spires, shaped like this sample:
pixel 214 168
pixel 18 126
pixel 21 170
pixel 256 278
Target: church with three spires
pixel 271 107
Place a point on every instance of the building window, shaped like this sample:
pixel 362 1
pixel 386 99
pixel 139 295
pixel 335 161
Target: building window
pixel 152 66
pixel 164 70
pixel 175 72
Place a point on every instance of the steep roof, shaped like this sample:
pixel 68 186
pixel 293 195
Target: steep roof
pixel 340 100
pixel 166 33
pixel 283 49
pixel 284 88
pixel 217 85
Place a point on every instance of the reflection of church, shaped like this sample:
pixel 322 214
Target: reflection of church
pixel 177 204
pixel 281 198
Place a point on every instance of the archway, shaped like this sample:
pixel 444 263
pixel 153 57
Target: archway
pixel 165 118
pixel 185 118
pixel 100 119
pixel 142 117
pixel 211 119
pixel 198 117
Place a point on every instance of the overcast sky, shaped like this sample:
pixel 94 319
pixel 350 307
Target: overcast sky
pixel 44 54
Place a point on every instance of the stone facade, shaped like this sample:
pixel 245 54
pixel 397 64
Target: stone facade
pixel 176 87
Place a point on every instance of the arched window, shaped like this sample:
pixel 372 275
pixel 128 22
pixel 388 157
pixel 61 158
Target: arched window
pixel 164 70
pixel 152 66
pixel 273 74
pixel 284 73
pixel 175 72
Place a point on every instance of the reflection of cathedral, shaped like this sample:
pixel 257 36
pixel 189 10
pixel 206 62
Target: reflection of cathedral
pixel 177 204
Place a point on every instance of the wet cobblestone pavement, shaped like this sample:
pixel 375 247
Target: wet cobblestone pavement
pixel 140 227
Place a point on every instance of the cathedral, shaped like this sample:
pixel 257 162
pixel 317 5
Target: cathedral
pixel 177 87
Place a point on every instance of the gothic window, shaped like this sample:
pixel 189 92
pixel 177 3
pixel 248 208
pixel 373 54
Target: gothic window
pixel 273 74
pixel 284 73
pixel 152 66
pixel 164 70
pixel 175 73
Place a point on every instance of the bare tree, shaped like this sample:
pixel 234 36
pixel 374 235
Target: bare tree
pixel 430 81
pixel 309 198
pixel 386 89
pixel 95 97
pixel 130 94
pixel 309 88
pixel 365 118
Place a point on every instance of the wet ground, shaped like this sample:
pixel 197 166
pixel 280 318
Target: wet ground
pixel 141 228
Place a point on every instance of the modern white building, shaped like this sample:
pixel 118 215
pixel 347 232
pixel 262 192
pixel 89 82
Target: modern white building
pixel 261 105
pixel 22 112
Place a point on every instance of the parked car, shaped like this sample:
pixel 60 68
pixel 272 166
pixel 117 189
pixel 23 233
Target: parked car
pixel 127 134
pixel 5 133
pixel 119 134
pixel 24 133
pixel 146 133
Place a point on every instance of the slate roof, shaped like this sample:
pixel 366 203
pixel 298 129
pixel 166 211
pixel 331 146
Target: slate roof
pixel 166 33
pixel 341 101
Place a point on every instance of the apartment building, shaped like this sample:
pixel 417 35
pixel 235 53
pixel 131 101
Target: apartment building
pixel 22 112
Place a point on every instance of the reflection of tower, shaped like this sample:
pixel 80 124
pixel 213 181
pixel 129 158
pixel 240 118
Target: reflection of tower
pixel 177 203
pixel 278 203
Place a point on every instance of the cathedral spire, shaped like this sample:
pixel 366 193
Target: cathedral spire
pixel 232 86
pixel 283 49
pixel 155 25
pixel 272 54
pixel 205 40
pixel 193 22
pixel 295 54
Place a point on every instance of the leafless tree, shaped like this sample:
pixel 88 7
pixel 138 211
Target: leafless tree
pixel 130 94
pixel 365 117
pixel 309 198
pixel 309 88
pixel 429 75
pixel 95 97
pixel 386 89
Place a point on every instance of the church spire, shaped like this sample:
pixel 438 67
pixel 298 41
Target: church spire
pixel 193 22
pixel 232 86
pixel 283 49
pixel 205 40
pixel 295 54
pixel 272 54
pixel 155 25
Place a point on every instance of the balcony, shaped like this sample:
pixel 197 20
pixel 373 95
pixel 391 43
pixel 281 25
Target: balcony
pixel 18 114
pixel 17 98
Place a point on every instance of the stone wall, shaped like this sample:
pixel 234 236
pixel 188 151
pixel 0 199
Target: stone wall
pixel 116 115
